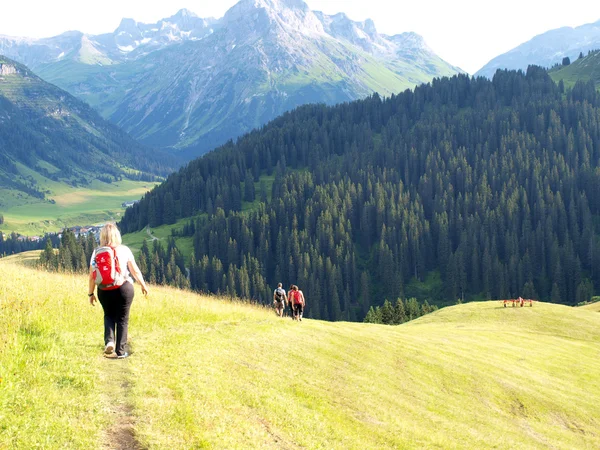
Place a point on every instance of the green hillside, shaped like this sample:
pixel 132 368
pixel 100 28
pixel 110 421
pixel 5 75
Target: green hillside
pixel 592 306
pixel 60 161
pixel 464 188
pixel 209 373
pixel 582 69
pixel 68 206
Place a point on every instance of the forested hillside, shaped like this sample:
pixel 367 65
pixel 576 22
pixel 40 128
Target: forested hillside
pixel 463 188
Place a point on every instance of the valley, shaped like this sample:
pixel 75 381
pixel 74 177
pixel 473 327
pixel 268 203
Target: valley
pixel 408 200
pixel 68 206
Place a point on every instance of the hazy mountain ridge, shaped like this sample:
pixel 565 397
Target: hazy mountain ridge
pixel 198 82
pixel 46 133
pixel 129 41
pixel 547 49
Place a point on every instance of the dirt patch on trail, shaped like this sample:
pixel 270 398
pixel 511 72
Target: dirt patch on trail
pixel 120 433
pixel 277 441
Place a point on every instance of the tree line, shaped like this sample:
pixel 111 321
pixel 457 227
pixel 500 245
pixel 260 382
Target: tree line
pixel 73 255
pixel 400 312
pixel 12 244
pixel 491 184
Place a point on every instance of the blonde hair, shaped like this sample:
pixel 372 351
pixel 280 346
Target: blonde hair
pixel 110 235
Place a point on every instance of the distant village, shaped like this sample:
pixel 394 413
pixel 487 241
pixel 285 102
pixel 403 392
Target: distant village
pixel 77 230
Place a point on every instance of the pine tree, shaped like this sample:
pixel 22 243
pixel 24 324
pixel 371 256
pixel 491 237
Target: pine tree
pixel 399 312
pixel 387 313
pixel 373 315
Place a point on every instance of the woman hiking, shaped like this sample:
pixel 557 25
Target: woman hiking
pixel 111 268
pixel 298 302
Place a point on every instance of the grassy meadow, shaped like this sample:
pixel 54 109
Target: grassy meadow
pixel 207 372
pixel 162 234
pixel 97 203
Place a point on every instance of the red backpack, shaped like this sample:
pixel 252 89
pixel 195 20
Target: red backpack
pixel 108 274
pixel 297 298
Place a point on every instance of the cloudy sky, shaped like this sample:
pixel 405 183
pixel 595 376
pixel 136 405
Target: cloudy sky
pixel 466 33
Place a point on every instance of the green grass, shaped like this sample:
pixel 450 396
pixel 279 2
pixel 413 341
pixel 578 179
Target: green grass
pixel 162 233
pixel 209 373
pixel 268 180
pixel 96 203
pixel 584 69
pixel 594 306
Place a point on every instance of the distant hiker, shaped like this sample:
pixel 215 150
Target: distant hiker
pixel 298 303
pixel 279 300
pixel 111 268
pixel 290 300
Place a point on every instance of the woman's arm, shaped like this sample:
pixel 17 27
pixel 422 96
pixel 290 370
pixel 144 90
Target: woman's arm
pixel 92 286
pixel 137 274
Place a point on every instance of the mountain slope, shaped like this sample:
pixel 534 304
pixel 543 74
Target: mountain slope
pixel 47 135
pixel 226 77
pixel 466 188
pixel 471 376
pixel 547 49
pixel 582 69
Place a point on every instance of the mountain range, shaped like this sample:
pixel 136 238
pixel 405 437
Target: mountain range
pixel 547 49
pixel 46 134
pixel 129 41
pixel 190 83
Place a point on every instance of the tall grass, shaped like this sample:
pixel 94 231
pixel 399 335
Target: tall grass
pixel 211 373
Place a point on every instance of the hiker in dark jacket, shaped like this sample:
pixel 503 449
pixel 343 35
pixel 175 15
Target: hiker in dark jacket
pixel 279 300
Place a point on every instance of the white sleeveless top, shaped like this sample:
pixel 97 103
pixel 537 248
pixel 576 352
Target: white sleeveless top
pixel 124 255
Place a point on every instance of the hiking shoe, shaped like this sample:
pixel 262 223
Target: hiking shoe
pixel 110 347
pixel 123 356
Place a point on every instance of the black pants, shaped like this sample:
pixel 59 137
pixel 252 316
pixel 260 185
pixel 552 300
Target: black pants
pixel 298 309
pixel 116 304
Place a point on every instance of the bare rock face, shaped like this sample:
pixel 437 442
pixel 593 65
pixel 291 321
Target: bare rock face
pixel 7 69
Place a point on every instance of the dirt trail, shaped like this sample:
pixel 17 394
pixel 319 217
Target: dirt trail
pixel 120 434
pixel 149 232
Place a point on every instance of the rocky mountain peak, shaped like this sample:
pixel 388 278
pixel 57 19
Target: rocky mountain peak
pixel 362 34
pixel 277 5
pixel 128 25
pixel 185 13
pixel 259 16
pixel 410 41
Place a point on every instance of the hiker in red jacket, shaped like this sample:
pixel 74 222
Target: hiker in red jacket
pixel 290 300
pixel 298 302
